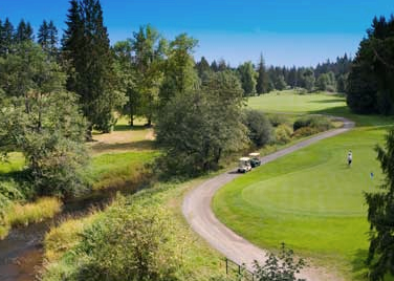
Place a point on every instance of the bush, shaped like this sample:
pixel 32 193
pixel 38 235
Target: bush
pixel 320 123
pixel 304 132
pixel 129 243
pixel 283 134
pixel 259 128
pixel 277 120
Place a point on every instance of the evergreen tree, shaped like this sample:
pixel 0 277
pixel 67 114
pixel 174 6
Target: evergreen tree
pixel 7 37
pixel 262 79
pixel 202 67
pixel 91 74
pixel 47 37
pixel 24 32
pixel 381 216
pixel 214 66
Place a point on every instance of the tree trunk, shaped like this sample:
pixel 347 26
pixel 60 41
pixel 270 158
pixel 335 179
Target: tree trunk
pixel 89 136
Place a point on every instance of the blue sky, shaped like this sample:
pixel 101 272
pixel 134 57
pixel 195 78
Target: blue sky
pixel 287 32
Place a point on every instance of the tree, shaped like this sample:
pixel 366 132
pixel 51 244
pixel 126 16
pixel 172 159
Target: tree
pixel 309 79
pixel 126 74
pixel 179 75
pixel 381 216
pixel 40 119
pixel 7 37
pixel 91 75
pixel 202 67
pixel 262 79
pixel 370 84
pixel 149 50
pixel 260 130
pixel 24 32
pixel 195 128
pixel 47 37
pixel 248 78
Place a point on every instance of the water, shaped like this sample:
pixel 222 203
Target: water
pixel 21 252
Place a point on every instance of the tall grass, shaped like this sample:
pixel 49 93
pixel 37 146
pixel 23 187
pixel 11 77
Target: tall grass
pixel 43 208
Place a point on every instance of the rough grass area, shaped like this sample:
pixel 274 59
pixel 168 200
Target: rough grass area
pixel 311 199
pixel 292 102
pixel 199 261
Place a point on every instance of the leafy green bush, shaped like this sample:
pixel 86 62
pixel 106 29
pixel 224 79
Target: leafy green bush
pixel 277 120
pixel 320 123
pixel 259 128
pixel 283 134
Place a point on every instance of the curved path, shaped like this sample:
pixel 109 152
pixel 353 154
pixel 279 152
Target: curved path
pixel 197 210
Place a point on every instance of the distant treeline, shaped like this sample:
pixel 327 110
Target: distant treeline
pixel 258 79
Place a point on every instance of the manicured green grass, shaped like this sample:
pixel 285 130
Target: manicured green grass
pixel 291 102
pixel 310 199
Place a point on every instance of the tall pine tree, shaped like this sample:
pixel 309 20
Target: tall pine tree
pixel 262 79
pixel 87 50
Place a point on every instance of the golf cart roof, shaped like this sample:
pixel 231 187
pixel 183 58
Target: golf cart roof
pixel 254 154
pixel 244 159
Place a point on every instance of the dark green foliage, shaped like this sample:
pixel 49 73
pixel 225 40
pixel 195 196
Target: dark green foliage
pixel 262 79
pixel 24 32
pixel 283 267
pixel 248 78
pixel 381 216
pixel 196 128
pixel 370 86
pixel 308 78
pixel 89 59
pixel 6 37
pixel 47 37
pixel 320 123
pixel 260 131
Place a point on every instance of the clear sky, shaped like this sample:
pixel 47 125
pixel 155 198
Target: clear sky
pixel 287 32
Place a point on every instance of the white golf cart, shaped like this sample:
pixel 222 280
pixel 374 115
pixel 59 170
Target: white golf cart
pixel 255 159
pixel 244 165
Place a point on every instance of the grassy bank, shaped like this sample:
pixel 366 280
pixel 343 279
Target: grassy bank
pixel 198 261
pixel 310 199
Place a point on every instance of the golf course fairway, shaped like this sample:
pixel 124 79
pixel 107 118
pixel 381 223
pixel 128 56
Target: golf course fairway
pixel 311 199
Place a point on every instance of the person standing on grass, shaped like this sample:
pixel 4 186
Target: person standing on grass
pixel 349 158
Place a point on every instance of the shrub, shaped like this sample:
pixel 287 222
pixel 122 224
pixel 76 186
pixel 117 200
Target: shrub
pixel 320 123
pixel 259 128
pixel 277 120
pixel 283 134
pixel 129 243
pixel 305 132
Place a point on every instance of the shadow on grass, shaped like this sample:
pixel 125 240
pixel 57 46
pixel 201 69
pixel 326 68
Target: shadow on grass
pixel 116 147
pixel 328 101
pixel 359 265
pixel 361 120
pixel 125 127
